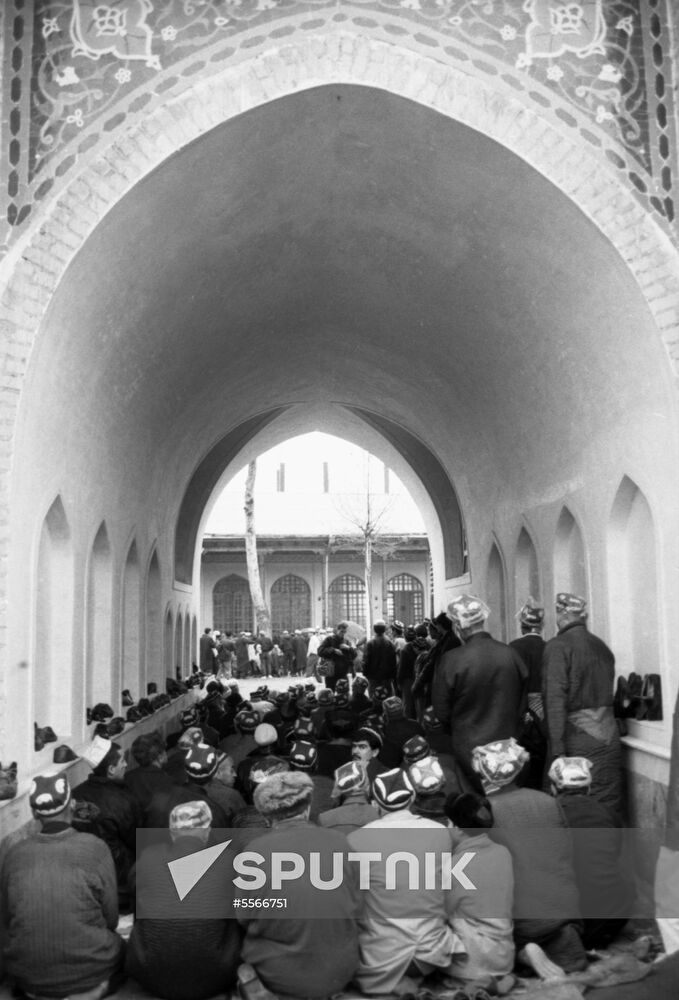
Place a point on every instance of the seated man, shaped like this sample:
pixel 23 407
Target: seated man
pixel 298 956
pixel 351 792
pixel 59 904
pixel 194 957
pixel 404 928
pixel 118 814
pixel 531 825
pixel 148 777
pixel 366 744
pixel 397 731
pixel 481 917
pixel 606 893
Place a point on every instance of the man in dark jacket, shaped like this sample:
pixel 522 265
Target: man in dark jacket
pixel 117 812
pixel 405 675
pixel 530 647
pixel 208 653
pixel 339 651
pixel 379 661
pixel 577 685
pixel 479 692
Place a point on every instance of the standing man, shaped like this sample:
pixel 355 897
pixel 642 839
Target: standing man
pixel 341 653
pixel 530 647
pixel 312 654
pixel 379 661
pixel 208 652
pixel 479 692
pixel 577 686
pixel 299 646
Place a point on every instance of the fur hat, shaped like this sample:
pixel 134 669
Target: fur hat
pixel 283 795
pixel 392 790
pixel 50 794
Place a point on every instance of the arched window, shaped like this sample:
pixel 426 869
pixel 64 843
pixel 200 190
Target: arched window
pixel 98 684
pixel 154 625
pixel 290 603
pixel 232 609
pixel 131 605
pixel 496 595
pixel 570 573
pixel 347 599
pixel 54 625
pixel 633 582
pixel 405 599
pixel 526 574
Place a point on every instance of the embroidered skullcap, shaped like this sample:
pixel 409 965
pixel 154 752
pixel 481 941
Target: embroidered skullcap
pixel 368 735
pixel 191 816
pixel 341 699
pixel 532 613
pixel 571 603
pixel 189 717
pixel 246 721
pixel 467 610
pixel 416 748
pixel 302 728
pixel 303 755
pixel 351 777
pixel 201 761
pixel 50 793
pixel 360 683
pixel 429 720
pixel 571 772
pixel 325 697
pixel 381 693
pixel 393 790
pixel 190 737
pixel 265 768
pixel 96 751
pixel 426 776
pixel 342 684
pixel 498 763
pixel 393 708
pixel 265 735
pixel 283 794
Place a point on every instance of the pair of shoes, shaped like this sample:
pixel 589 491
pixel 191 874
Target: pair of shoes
pixel 42 736
pixel 127 699
pixel 650 704
pixel 8 781
pixel 250 986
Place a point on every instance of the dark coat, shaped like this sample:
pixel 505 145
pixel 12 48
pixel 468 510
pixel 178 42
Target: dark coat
pixel 530 648
pixel 116 823
pixel 342 659
pixel 379 661
pixel 479 694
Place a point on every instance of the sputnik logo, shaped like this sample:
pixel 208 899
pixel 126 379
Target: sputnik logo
pixel 187 872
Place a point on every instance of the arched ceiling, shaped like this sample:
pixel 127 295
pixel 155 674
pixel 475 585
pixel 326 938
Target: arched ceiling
pixel 348 245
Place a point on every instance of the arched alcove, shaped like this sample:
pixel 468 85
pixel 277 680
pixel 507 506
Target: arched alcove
pixel 194 639
pixel 346 599
pixel 232 609
pixel 496 595
pixel 168 644
pixel 154 623
pixel 570 568
pixel 526 571
pixel 405 599
pixel 131 638
pixel 53 672
pixel 290 603
pixel 178 661
pixel 187 643
pixel 99 684
pixel 633 582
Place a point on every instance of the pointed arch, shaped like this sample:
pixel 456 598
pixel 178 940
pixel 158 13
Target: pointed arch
pixel 99 684
pixel 405 598
pixel 178 658
pixel 526 569
pixel 53 674
pixel 633 581
pixel 232 609
pixel 187 643
pixel 570 566
pixel 153 614
pixel 290 603
pixel 131 630
pixel 346 599
pixel 168 644
pixel 496 593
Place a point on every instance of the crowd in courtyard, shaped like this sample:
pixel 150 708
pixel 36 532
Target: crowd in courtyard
pixel 436 734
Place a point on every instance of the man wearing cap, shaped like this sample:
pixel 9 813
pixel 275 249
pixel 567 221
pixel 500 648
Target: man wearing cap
pixel 208 652
pixel 118 814
pixel 342 653
pixel 195 955
pixel 366 744
pixel 58 904
pixel 479 691
pixel 403 929
pixel 442 639
pixel 405 675
pixel 303 756
pixel 351 792
pixel 606 892
pixel 577 684
pixel 379 659
pixel 148 777
pixel 201 763
pixel 397 730
pixel 266 738
pixel 530 647
pixel 298 956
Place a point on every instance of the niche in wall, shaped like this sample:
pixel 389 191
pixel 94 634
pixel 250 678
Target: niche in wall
pixel 154 622
pixel 495 595
pixel 131 645
pixel 98 652
pixel 570 571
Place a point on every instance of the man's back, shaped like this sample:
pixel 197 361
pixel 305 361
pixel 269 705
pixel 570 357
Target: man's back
pixel 60 907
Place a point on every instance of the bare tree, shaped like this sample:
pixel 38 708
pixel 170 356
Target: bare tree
pixel 262 613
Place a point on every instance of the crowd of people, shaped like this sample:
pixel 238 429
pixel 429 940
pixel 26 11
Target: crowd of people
pixel 456 743
pixel 248 654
